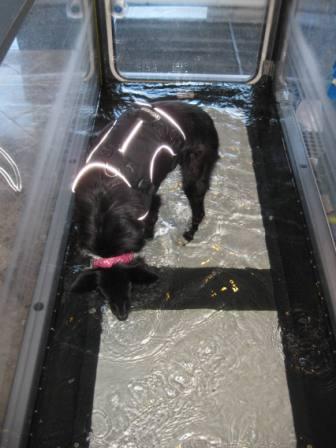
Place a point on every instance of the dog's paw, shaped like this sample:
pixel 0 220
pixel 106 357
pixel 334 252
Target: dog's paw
pixel 188 235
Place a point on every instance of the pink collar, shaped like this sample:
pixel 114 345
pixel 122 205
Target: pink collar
pixel 107 263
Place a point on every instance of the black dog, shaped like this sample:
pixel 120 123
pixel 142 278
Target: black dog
pixel 116 192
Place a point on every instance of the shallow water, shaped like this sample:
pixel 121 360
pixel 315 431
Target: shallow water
pixel 206 377
pixel 235 323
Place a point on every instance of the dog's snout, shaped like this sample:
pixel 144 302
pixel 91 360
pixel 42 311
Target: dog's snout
pixel 120 310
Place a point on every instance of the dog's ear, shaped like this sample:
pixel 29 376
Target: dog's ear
pixel 85 282
pixel 140 274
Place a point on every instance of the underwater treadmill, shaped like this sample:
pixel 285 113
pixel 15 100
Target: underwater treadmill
pixel 234 344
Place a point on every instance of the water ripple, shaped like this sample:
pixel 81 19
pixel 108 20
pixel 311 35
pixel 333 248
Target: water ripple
pixel 198 378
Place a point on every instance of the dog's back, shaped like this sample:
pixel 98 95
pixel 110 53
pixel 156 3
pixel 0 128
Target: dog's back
pixel 195 122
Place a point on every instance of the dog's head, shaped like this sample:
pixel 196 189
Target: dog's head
pixel 107 221
pixel 115 284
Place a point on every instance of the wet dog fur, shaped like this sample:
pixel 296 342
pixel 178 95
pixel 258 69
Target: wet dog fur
pixel 107 211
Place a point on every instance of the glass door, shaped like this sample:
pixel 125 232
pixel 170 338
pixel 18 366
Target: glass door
pixel 191 40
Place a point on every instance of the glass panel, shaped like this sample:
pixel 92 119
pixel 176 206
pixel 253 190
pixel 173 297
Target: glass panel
pixel 10 10
pixel 187 40
pixel 47 89
pixel 310 88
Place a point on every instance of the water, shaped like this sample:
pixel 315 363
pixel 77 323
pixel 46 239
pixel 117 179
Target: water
pixel 231 346
pixel 200 377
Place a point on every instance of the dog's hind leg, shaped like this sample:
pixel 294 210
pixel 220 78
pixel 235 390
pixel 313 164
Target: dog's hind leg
pixel 197 166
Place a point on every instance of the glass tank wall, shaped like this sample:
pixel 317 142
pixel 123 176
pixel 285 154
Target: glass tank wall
pixel 48 93
pixel 308 84
pixel 306 94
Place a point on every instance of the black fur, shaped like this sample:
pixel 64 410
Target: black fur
pixel 115 284
pixel 107 210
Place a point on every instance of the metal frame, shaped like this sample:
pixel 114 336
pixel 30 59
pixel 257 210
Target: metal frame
pixel 270 25
pixel 12 27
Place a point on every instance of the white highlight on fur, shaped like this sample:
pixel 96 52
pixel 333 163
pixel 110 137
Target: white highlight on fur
pixel 16 184
pixel 171 120
pixel 131 135
pixel 100 142
pixel 98 165
pixel 160 148
pixel 144 216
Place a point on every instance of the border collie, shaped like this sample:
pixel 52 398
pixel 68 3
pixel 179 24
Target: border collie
pixel 116 191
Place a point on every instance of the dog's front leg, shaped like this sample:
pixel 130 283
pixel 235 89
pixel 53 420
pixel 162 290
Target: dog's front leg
pixel 152 217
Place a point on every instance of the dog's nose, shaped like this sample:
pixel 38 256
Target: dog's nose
pixel 121 310
pixel 122 317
